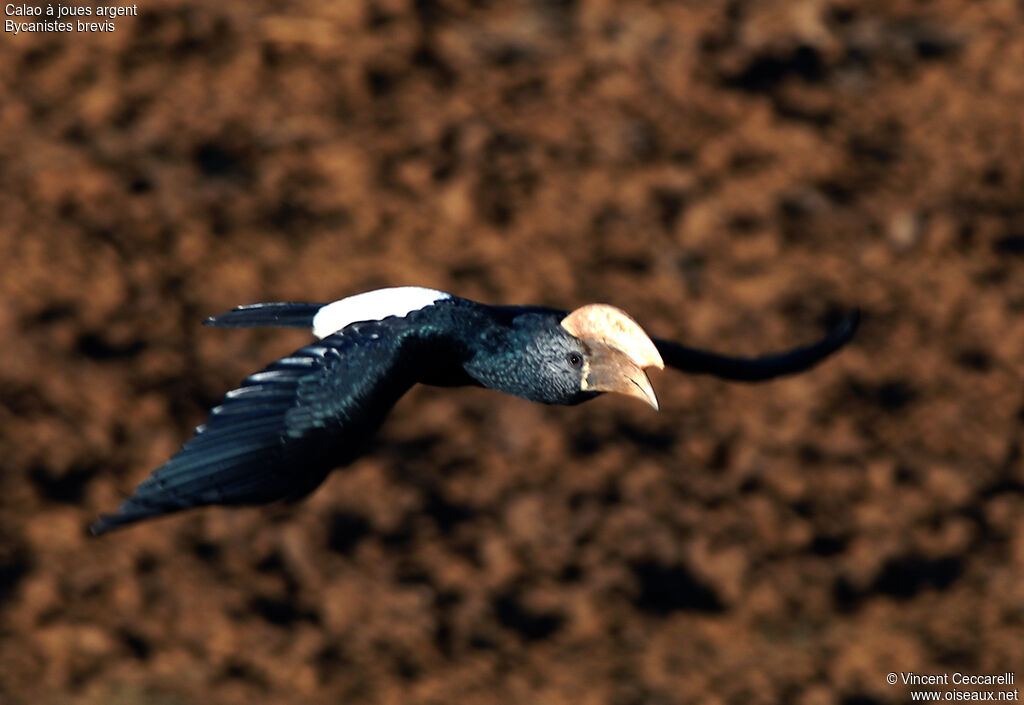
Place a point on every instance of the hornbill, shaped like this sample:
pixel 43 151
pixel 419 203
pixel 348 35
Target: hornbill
pixel 279 434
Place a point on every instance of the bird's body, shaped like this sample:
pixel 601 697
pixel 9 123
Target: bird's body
pixel 281 432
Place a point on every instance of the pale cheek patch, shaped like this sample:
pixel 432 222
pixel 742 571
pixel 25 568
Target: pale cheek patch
pixel 584 384
pixel 373 306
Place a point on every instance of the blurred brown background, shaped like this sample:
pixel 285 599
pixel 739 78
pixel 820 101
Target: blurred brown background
pixel 735 174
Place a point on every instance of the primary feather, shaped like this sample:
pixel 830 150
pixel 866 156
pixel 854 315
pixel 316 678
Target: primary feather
pixel 280 433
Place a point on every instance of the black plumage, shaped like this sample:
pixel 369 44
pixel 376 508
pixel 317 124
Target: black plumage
pixel 279 434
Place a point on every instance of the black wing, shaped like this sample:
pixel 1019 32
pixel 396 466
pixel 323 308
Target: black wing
pixel 280 433
pixel 757 369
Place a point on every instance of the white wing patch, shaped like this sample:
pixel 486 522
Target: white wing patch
pixel 373 306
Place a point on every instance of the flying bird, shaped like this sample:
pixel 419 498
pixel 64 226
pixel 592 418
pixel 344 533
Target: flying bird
pixel 282 431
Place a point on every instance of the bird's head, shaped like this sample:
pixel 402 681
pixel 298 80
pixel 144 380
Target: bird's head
pixel 567 360
pixel 615 352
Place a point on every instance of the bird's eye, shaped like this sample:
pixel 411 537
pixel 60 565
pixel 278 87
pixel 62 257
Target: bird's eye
pixel 575 359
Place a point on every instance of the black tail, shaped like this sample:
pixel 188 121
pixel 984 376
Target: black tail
pixel 757 369
pixel 277 315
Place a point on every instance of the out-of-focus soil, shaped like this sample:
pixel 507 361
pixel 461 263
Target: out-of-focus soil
pixel 735 174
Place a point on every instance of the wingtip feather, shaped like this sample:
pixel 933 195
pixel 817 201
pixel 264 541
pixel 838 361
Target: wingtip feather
pixel 109 522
